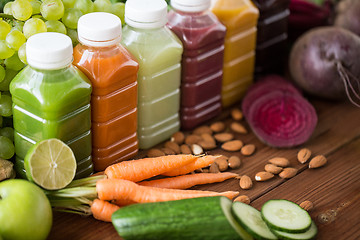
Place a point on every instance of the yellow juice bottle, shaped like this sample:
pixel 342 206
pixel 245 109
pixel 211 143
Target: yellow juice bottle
pixel 240 18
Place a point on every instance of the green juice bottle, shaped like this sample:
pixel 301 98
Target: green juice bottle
pixel 51 99
pixel 159 52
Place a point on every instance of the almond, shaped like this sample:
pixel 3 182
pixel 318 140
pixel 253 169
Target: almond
pixel 245 182
pixel 207 145
pixel 279 161
pixel 209 138
pixel 168 151
pixel 288 173
pixel 185 149
pixel 154 152
pixel 236 114
pixel 248 149
pixel 222 163
pixel 307 205
pixel 214 168
pixel 173 145
pixel 263 176
pixel 234 162
pixel 196 149
pixel 202 129
pixel 271 168
pixel 238 128
pixel 303 155
pixel 232 146
pixel 192 139
pixel 217 127
pixel 318 161
pixel 242 198
pixel 205 170
pixel 223 137
pixel 178 137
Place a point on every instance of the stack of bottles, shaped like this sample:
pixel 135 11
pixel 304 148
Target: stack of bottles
pixel 120 89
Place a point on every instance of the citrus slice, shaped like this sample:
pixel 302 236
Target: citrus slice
pixel 51 164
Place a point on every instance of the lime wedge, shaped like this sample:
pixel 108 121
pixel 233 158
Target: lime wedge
pixel 51 164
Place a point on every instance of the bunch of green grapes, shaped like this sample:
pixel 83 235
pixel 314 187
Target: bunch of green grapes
pixel 20 20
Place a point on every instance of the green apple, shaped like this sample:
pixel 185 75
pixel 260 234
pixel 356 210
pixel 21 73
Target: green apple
pixel 25 211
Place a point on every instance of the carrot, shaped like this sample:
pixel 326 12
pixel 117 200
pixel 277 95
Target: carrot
pixel 102 210
pixel 110 189
pixel 189 180
pixel 140 169
pixel 122 202
pixel 198 163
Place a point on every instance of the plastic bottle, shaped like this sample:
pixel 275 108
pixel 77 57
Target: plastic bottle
pixel 272 35
pixel 112 71
pixel 203 39
pixel 158 52
pixel 51 99
pixel 240 18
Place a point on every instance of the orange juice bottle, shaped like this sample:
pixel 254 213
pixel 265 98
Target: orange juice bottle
pixel 112 71
pixel 240 18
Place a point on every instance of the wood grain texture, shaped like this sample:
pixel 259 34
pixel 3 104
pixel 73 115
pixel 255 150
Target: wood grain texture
pixel 334 189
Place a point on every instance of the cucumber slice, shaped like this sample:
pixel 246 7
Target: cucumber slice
pixel 250 219
pixel 285 216
pixel 226 207
pixel 309 234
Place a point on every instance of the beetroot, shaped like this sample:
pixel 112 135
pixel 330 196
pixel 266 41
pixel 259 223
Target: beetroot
pixel 325 62
pixel 278 114
pixel 265 85
pixel 348 15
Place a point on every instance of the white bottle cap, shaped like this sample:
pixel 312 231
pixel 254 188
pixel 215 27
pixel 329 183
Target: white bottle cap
pixel 49 51
pixel 191 5
pixel 146 14
pixel 99 29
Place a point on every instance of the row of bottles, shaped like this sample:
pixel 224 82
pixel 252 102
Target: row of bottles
pixel 162 71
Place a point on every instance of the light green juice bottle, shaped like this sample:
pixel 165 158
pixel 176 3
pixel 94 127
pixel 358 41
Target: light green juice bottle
pixel 51 99
pixel 158 52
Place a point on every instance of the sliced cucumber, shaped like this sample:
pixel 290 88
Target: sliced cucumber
pixel 309 234
pixel 226 207
pixel 285 216
pixel 250 219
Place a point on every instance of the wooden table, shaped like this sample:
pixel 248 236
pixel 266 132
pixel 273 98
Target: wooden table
pixel 334 189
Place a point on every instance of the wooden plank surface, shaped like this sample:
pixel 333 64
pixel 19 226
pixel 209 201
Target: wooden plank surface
pixel 334 189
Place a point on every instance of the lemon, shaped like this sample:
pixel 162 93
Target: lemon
pixel 51 164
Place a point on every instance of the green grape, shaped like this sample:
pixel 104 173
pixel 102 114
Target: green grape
pixel 15 39
pixel 118 9
pixel 102 6
pixel 4 29
pixel 7 132
pixel 9 75
pixel 35 6
pixel 5 106
pixel 7 149
pixel 68 3
pixel 85 6
pixel 55 26
pixel 14 63
pixel 72 33
pixel 21 9
pixel 71 17
pixel 5 51
pixel 33 26
pixel 1 118
pixel 22 53
pixel 18 25
pixel 52 9
pixel 7 8
pixel 2 73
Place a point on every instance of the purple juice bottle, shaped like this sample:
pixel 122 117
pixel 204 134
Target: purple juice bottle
pixel 203 38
